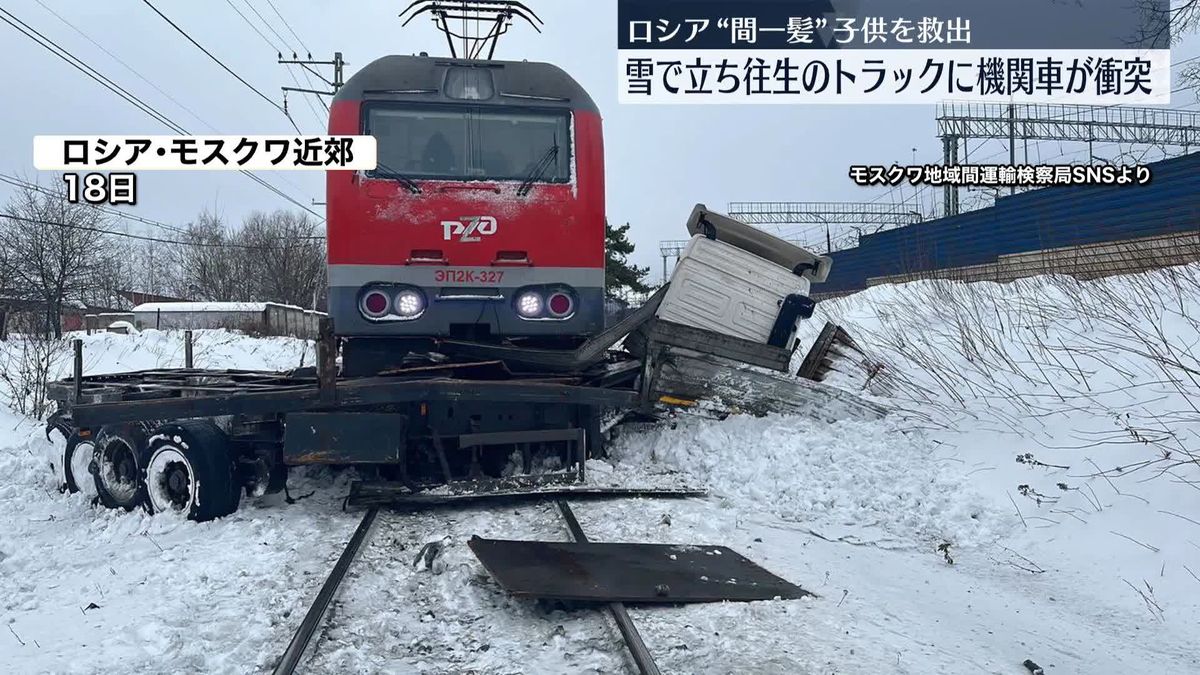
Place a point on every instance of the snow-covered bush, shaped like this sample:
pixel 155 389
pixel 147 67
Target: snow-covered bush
pixel 30 358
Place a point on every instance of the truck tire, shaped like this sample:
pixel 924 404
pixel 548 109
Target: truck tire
pixel 190 469
pixel 76 457
pixel 117 466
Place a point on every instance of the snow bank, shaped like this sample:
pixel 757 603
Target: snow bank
pixel 216 348
pixel 89 590
pixel 854 480
pixel 1073 405
pixel 169 594
pixel 1033 351
pixel 25 361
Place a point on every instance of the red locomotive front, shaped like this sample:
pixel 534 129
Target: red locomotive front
pixel 485 216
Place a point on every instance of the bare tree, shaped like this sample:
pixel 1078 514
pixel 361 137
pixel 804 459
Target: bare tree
pixel 151 270
pixel 207 264
pixel 118 269
pixel 275 257
pixel 1166 24
pixel 10 298
pixel 289 259
pixel 52 250
pixel 1185 19
pixel 27 363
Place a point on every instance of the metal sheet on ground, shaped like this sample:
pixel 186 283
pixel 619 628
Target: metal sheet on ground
pixel 631 573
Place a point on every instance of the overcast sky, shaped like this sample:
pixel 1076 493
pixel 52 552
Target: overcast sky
pixel 661 160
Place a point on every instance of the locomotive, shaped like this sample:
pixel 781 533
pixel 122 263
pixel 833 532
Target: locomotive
pixel 466 291
pixel 484 219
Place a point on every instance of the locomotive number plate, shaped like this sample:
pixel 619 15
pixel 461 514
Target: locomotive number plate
pixel 483 276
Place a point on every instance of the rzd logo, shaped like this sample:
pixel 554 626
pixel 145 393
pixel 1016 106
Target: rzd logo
pixel 468 228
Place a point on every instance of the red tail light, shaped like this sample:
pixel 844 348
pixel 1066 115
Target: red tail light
pixel 560 304
pixel 375 304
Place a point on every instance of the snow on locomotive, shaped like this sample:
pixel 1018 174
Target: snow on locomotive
pixel 484 218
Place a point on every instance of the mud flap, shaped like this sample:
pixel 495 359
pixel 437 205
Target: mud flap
pixel 60 422
pixel 344 438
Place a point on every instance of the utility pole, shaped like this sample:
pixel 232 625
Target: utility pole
pixel 338 73
pixel 1012 143
pixel 949 191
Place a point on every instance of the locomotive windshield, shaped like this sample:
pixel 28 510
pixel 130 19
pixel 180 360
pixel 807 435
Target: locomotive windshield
pixel 470 143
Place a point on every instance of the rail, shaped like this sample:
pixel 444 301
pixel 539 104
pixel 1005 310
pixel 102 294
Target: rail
pixel 314 615
pixel 316 612
pixel 633 639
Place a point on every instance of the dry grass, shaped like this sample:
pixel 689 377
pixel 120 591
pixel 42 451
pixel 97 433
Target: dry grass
pixel 1016 355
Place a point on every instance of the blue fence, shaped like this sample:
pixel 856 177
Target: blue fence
pixel 1048 218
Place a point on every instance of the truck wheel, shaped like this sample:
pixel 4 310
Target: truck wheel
pixel 190 469
pixel 116 466
pixel 74 461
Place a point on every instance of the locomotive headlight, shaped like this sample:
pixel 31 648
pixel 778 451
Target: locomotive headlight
pixel 469 84
pixel 409 303
pixel 529 304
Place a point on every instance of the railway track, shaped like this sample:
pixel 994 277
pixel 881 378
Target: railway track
pixel 315 617
pixel 316 611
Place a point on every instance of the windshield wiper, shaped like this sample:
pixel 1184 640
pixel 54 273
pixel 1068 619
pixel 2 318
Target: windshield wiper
pixel 392 174
pixel 539 169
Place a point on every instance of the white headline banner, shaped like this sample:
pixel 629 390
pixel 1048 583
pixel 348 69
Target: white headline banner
pixel 887 76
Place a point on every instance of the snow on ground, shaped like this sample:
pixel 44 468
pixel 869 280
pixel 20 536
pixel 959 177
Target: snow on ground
pixel 116 353
pixel 1093 385
pixel 169 595
pixel 931 548
pixel 858 480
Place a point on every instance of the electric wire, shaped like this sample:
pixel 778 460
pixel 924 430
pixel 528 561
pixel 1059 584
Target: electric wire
pixel 46 43
pixel 221 63
pixel 142 237
pixel 125 65
pixel 279 51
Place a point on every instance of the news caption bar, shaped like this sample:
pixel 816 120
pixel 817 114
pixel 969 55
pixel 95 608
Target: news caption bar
pixel 204 153
pixel 920 52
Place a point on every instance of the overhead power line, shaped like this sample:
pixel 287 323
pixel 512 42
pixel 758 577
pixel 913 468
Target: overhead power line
pixel 125 65
pixel 17 182
pixel 268 24
pixel 274 47
pixel 48 44
pixel 221 63
pixel 279 52
pixel 289 27
pixel 305 70
pixel 142 237
pixel 82 66
pixel 82 33
pixel 893 190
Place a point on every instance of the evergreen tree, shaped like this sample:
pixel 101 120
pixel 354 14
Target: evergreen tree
pixel 619 274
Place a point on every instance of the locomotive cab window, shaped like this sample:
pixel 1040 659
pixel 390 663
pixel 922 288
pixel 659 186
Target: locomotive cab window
pixel 470 143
